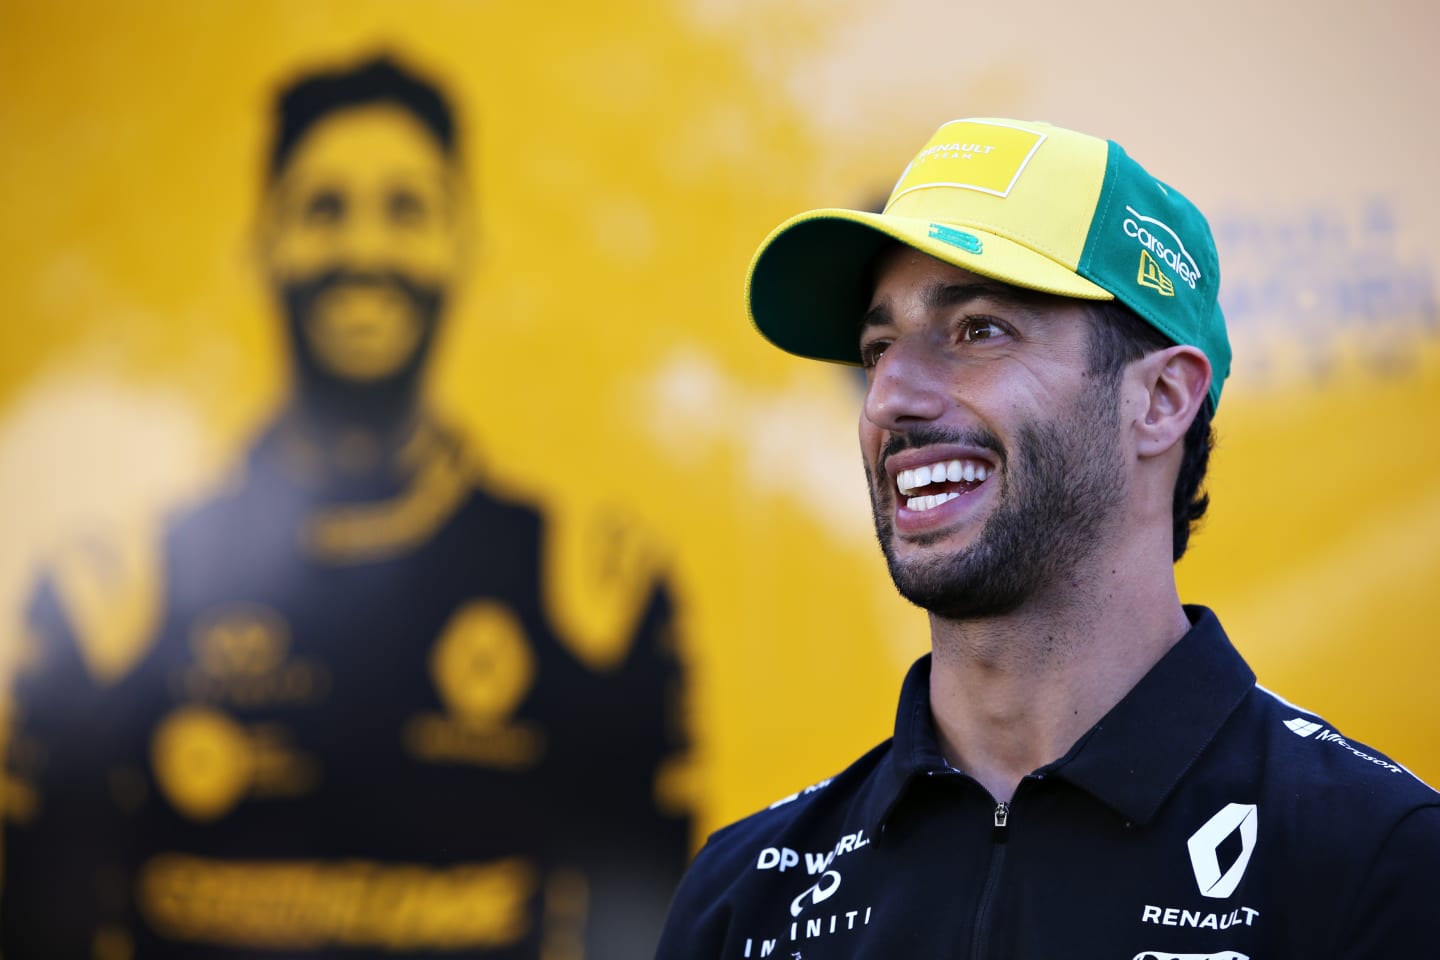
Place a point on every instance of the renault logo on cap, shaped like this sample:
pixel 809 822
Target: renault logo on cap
pixel 1204 844
pixel 987 156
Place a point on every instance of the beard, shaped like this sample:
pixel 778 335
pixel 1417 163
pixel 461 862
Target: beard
pixel 330 392
pixel 1059 487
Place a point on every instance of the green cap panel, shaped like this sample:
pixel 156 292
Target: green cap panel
pixel 1151 248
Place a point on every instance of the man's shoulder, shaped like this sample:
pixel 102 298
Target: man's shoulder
pixel 800 830
pixel 1305 751
pixel 793 841
pixel 1256 742
pixel 1350 830
pixel 1344 808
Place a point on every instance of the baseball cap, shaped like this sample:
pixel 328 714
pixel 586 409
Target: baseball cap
pixel 1030 204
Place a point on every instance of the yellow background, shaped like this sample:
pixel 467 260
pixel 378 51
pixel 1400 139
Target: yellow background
pixel 625 160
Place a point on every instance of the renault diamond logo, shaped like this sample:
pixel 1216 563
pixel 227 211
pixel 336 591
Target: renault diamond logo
pixel 1302 727
pixel 1152 276
pixel 1205 843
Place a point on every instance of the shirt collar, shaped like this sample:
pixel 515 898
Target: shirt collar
pixel 914 751
pixel 1133 758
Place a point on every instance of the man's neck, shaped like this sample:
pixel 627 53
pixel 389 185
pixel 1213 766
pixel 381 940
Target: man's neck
pixel 1012 693
pixel 352 446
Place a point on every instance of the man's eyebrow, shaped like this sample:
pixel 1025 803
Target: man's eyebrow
pixel 876 316
pixel 952 294
pixel 940 295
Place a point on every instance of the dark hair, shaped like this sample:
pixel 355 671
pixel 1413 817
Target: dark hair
pixel 1117 337
pixel 314 96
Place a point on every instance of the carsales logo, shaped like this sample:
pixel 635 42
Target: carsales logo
pixel 1163 243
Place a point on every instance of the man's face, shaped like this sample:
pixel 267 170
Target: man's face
pixel 993 455
pixel 362 242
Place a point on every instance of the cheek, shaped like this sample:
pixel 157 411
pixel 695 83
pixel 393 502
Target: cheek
pixel 871 438
pixel 432 256
pixel 298 251
pixel 1036 389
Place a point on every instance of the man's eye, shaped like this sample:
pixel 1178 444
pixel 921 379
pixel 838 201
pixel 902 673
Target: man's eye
pixel 870 353
pixel 324 208
pixel 974 330
pixel 406 208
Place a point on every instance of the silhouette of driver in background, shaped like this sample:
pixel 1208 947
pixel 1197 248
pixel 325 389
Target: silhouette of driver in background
pixel 353 728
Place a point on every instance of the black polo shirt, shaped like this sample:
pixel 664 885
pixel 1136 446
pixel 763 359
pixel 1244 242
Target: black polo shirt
pixel 1202 817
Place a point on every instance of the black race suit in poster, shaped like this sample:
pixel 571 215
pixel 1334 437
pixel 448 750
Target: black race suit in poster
pixel 356 733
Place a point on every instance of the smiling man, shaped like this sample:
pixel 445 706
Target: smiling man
pixel 1082 767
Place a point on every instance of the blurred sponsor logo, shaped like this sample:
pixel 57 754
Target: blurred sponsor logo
pixel 309 904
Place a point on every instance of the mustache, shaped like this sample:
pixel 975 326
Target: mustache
pixel 314 286
pixel 926 435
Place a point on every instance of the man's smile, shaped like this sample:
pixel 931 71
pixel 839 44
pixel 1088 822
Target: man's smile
pixel 947 478
pixel 926 479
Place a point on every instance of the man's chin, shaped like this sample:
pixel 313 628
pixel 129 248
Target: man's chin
pixel 956 584
pixel 938 542
pixel 960 600
pixel 363 362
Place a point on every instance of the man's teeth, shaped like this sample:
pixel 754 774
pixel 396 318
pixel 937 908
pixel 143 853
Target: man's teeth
pixel 952 471
pixel 929 503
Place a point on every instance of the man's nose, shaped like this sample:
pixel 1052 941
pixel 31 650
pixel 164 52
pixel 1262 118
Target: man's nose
pixel 367 240
pixel 906 386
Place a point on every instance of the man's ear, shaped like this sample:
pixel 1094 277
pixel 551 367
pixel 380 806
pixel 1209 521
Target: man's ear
pixel 262 231
pixel 1176 381
pixel 469 241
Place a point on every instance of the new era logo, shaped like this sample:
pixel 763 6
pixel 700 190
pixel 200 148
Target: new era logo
pixel 1152 276
pixel 1302 727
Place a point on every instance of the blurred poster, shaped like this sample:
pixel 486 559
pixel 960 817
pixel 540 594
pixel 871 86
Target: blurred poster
pixel 332 712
